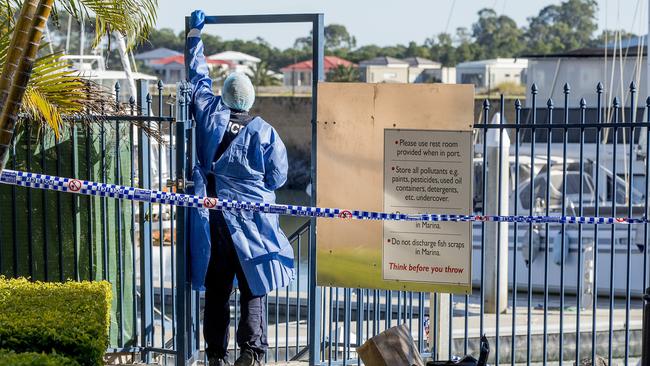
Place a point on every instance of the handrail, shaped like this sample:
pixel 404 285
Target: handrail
pixel 300 231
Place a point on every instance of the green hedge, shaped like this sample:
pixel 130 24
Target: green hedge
pixel 34 359
pixel 70 319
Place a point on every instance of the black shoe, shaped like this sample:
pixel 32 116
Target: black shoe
pixel 248 358
pixel 217 361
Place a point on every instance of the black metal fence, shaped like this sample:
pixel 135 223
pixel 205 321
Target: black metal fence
pixel 573 291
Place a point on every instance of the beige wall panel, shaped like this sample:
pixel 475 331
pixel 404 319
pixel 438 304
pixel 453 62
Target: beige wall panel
pixel 351 122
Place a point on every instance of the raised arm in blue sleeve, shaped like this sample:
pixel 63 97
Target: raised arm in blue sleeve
pixel 205 106
pixel 275 162
pixel 199 73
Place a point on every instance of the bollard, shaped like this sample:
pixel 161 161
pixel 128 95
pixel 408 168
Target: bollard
pixel 645 351
pixel 496 202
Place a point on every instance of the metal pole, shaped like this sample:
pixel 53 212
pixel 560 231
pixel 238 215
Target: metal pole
pixel 496 233
pixel 181 285
pixel 647 59
pixel 313 292
pixel 146 286
pixel 439 307
pixel 645 354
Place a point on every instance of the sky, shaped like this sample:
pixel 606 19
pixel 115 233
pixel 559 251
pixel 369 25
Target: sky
pixel 383 22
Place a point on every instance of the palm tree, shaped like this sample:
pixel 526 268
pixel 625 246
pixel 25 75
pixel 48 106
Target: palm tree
pixel 43 86
pixel 262 76
pixel 218 74
pixel 342 74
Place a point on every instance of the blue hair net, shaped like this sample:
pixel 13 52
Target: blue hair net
pixel 238 92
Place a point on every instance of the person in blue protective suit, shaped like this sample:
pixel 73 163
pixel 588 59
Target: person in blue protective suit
pixel 240 157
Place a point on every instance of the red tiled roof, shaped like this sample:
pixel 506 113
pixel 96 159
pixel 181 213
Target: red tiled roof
pixel 180 59
pixel 329 63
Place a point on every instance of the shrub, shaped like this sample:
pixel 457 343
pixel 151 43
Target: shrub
pixel 509 88
pixel 71 318
pixel 34 359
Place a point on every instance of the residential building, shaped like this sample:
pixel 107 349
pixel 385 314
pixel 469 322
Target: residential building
pixel 238 61
pixel 300 74
pixel 583 69
pixel 384 69
pixel 422 70
pixel 448 75
pixel 488 74
pixel 172 69
pixel 159 53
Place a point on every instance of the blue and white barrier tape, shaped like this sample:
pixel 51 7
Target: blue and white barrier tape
pixel 84 187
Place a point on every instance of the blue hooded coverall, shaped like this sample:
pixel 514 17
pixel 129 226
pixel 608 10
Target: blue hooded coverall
pixel 250 169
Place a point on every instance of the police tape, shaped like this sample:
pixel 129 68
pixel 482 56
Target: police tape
pixel 89 188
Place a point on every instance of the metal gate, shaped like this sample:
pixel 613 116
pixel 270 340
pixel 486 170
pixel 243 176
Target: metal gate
pixel 53 236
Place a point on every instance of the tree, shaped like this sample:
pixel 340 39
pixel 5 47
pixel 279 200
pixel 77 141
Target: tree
pixel 262 76
pixel 163 38
pixel 337 37
pixel 42 85
pixel 497 35
pixel 563 27
pixel 467 49
pixel 607 37
pixel 415 50
pixel 218 74
pixel 442 49
pixel 343 74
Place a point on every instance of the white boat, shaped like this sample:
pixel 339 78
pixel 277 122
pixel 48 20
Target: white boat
pixel 92 67
pixel 533 237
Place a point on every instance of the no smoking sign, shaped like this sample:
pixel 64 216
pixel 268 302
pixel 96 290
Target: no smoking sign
pixel 209 202
pixel 74 185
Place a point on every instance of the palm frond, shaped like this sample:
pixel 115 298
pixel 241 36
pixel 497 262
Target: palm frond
pixel 133 18
pixel 38 106
pixel 55 90
pixel 8 10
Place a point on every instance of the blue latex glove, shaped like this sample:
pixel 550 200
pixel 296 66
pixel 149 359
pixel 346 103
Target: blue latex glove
pixel 197 20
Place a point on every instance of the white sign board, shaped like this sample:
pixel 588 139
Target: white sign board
pixel 428 171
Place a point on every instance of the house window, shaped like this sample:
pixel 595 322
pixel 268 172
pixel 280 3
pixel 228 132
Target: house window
pixel 507 75
pixel 390 75
pixel 472 78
